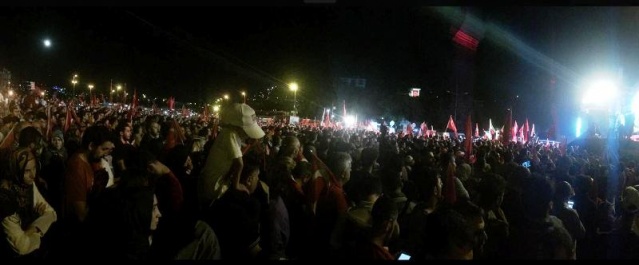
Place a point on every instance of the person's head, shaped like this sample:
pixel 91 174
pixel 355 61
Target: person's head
pixel 22 166
pixel 15 110
pixel 384 219
pixel 429 184
pixel 153 129
pixel 340 165
pixel 563 191
pixel 32 138
pixel 141 212
pixel 303 171
pixel 491 191
pixel 250 174
pixel 97 142
pixel 179 160
pixel 57 140
pixel 242 118
pixel 369 156
pixel 291 147
pixel 124 131
pixel 537 197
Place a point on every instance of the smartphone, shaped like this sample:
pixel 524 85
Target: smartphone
pixel 403 256
pixel 571 204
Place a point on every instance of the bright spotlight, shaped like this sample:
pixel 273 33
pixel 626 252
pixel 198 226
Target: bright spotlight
pixel 216 108
pixel 349 121
pixel 578 127
pixel 47 43
pixel 600 93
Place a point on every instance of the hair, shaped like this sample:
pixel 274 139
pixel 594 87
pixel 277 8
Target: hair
pixel 29 135
pixel 288 147
pixel 250 165
pixel 368 156
pixel 537 195
pixel 491 187
pixel 121 126
pixel 18 162
pixel 339 162
pixel 384 209
pixel 96 135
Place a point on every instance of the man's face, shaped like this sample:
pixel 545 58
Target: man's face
pixel 97 152
pixel 155 130
pixel 126 133
pixel 16 112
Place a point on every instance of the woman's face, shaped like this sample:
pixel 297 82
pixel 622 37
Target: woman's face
pixel 57 143
pixel 188 164
pixel 155 214
pixel 29 172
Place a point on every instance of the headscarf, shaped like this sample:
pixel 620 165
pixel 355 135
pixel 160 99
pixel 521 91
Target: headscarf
pixel 17 188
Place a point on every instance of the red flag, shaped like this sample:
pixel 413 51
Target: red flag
pixel 514 131
pixel 423 128
pixel 9 139
pixel 507 127
pixel 171 102
pixel 134 106
pixel 451 125
pixel 468 142
pixel 175 136
pixel 532 131
pixel 184 111
pixel 476 129
pixel 205 113
pixel 526 131
pixel 67 121
pixel 49 125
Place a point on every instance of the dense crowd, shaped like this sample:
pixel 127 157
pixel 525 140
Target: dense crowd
pixel 102 183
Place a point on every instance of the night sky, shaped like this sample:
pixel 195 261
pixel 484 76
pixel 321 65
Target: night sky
pixel 199 53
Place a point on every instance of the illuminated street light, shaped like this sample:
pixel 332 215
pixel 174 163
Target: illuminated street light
pixel 47 43
pixel 216 108
pixel 226 96
pixel 244 95
pixel 293 86
pixel 74 81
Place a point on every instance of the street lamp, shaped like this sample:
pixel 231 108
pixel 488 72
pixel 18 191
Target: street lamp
pixel 119 87
pixel 294 87
pixel 74 81
pixel 90 95
pixel 47 43
pixel 226 96
pixel 244 95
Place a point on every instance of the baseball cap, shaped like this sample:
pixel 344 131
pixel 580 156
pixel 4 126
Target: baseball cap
pixel 243 116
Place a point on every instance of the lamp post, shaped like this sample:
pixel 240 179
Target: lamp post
pixel 74 81
pixel 244 95
pixel 90 94
pixel 119 87
pixel 294 87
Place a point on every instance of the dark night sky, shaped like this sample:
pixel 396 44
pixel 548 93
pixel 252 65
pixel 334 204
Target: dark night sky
pixel 200 53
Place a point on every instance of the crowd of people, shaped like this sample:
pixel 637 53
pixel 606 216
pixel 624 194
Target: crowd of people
pixel 105 184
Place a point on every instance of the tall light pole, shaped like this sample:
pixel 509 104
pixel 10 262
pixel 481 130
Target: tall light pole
pixel 74 81
pixel 293 86
pixel 244 95
pixel 90 95
pixel 119 87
